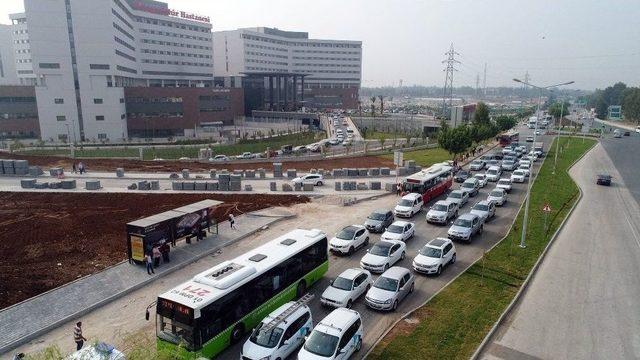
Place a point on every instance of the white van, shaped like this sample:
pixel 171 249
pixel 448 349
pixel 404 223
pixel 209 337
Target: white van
pixel 282 337
pixel 337 336
pixel 409 205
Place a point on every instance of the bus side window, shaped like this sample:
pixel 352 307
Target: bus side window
pixel 315 255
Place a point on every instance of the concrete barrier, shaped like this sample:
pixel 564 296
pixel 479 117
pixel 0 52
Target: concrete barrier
pixel 92 185
pixel 338 186
pixel 273 186
pixel 28 183
pixel 375 185
pixel 292 173
pixel 385 171
pixel 119 172
pixel 176 185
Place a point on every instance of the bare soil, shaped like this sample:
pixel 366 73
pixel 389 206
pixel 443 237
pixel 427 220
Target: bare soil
pixel 175 166
pixel 49 239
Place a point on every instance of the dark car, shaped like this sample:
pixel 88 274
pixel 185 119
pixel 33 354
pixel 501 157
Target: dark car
pixel 461 176
pixel 379 220
pixel 604 179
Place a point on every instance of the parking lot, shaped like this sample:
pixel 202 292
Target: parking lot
pixel 375 322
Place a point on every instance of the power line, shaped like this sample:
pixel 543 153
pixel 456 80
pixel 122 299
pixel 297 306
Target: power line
pixel 450 61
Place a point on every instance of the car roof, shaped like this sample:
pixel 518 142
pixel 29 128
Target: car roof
pixel 504 179
pixel 493 168
pixel 458 191
pixel 498 189
pixel 412 196
pixel 484 202
pixel 443 202
pixel 355 227
pixel 387 243
pixel 471 180
pixel 351 274
pixel 468 216
pixel 275 313
pixel 400 223
pixel 395 272
pixel 337 321
pixel 438 243
pixel 381 211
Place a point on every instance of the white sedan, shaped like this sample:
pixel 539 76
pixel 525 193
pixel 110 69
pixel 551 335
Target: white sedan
pixel 347 288
pixel 383 255
pixel 349 239
pixel 315 179
pixel 498 196
pixel 482 179
pixel 399 230
pixel 504 184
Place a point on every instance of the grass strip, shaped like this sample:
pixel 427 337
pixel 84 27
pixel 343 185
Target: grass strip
pixel 456 320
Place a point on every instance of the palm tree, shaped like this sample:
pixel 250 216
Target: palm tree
pixel 373 105
pixel 381 97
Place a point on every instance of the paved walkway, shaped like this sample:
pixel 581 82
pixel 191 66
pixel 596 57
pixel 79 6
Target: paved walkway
pixel 25 321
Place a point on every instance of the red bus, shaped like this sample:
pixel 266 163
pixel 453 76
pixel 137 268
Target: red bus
pixel 508 137
pixel 430 182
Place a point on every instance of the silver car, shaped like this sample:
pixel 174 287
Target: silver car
pixel 486 210
pixel 390 288
pixel 460 197
pixel 465 227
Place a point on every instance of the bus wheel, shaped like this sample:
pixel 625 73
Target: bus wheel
pixel 237 333
pixel 302 288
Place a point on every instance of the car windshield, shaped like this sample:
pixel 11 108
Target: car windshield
pixel 455 195
pixel 476 162
pixel 492 171
pixel 385 283
pixel 440 207
pixel 405 202
pixel 321 344
pixel 504 182
pixel 347 233
pixel 269 338
pixel 495 193
pixel 518 173
pixel 342 283
pixel 479 176
pixel 468 185
pixel 463 173
pixel 481 207
pixel 396 229
pixel 376 216
pixel 431 252
pixel 380 249
pixel 462 222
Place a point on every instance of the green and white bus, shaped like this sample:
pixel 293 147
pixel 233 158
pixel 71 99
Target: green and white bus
pixel 203 316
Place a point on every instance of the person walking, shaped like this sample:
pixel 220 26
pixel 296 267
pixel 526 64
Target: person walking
pixel 399 188
pixel 81 168
pixel 73 168
pixel 232 221
pixel 156 256
pixel 77 336
pixel 149 261
pixel 164 250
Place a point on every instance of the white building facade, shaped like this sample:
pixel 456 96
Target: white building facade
pixel 81 54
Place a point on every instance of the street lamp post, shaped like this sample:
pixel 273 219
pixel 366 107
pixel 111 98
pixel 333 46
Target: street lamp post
pixel 528 195
pixel 555 157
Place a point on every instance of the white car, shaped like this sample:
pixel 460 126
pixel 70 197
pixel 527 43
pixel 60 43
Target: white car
pixel 314 179
pixel 349 239
pixel 493 173
pixel 390 288
pixel 434 256
pixel 459 197
pixel 442 211
pixel 482 179
pixel 347 288
pixel 486 210
pixel 283 339
pixel 399 230
pixel 220 158
pixel 524 161
pixel 477 165
pixel 504 184
pixel 498 196
pixel 337 336
pixel 518 176
pixel 409 205
pixel 246 155
pixel 382 255
pixel 525 169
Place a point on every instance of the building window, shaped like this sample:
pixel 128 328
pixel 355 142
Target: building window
pixel 99 66
pixel 102 136
pixel 49 66
pixel 97 101
pixel 62 137
pixel 122 116
pixel 99 117
pixel 121 100
pixel 61 118
pixel 58 101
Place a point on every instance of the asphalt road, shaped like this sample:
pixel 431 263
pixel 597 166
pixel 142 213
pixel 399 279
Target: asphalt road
pixel 584 301
pixel 376 323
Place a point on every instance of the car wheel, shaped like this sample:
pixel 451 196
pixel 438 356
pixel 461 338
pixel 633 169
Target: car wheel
pixel 402 256
pixel 237 333
pixel 368 287
pixel 439 270
pixel 319 183
pixel 349 304
pixel 302 288
pixel 456 214
pixel 395 305
pixel 350 251
pixel 481 228
pixel 386 267
pixel 453 259
pixel 359 345
pixel 412 287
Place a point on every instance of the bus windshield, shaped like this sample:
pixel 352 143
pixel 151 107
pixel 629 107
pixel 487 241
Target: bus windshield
pixel 175 332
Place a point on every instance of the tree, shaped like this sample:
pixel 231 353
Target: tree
pixel 456 141
pixel 373 105
pixel 558 108
pixel 382 138
pixel 482 114
pixel 504 122
pixel 631 104
pixel 381 97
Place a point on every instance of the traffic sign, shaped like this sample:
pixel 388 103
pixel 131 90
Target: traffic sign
pixel 546 208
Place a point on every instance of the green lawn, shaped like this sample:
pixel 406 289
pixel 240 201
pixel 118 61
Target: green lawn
pixel 426 157
pixel 176 152
pixel 454 323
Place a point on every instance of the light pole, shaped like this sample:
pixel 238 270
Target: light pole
pixel 555 157
pixel 528 195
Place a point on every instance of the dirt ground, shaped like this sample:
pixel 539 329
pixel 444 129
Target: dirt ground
pixel 49 239
pixel 176 166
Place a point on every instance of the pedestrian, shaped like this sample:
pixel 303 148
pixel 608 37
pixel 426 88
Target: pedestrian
pixel 232 221
pixel 156 256
pixel 18 356
pixel 399 188
pixel 81 167
pixel 149 261
pixel 164 250
pixel 73 168
pixel 77 336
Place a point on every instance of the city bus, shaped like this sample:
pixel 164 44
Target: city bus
pixel 430 182
pixel 216 308
pixel 508 137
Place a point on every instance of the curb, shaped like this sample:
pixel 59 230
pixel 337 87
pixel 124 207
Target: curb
pixel 120 294
pixel 527 281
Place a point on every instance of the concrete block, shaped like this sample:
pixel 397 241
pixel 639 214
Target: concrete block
pixel 338 186
pixel 338 173
pixel 120 172
pixel 402 171
pixel 155 184
pixel 352 172
pixel 41 186
pixel 185 173
pixel 212 173
pixel 20 164
pixel 250 174
pixel 286 187
pixel 362 186
pixel 389 187
pixel 55 185
pixel 273 186
pixel 363 172
pixel 277 170
pixel 248 187
pixel 374 172
pixel 21 171
pixel 307 187
pixel 9 171
pixel 298 186
pixel 235 186
pixel 27 183
pixel 223 186
pixel 92 185
pixel 238 173
pixel 177 185
pixel 188 185
pixel 263 173
pixel 144 185
pixel 7 164
pixel 375 185
pixel 212 186
pixel 385 171
pixel 292 173
pixel 68 184
pixel 174 176
pixel 200 186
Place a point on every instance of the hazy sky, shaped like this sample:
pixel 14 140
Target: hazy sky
pixel 592 42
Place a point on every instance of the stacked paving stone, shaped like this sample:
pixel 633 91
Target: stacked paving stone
pixel 223 181
pixel 155 185
pixel 375 185
pixel 273 186
pixel 338 173
pixel 248 187
pixel 362 186
pixel 44 185
pixel 212 173
pixel 262 173
pixel 27 183
pixel 188 185
pixel 338 186
pixel 35 171
pixel 7 167
pixel 298 186
pixel 92 185
pixel 374 172
pixel 307 187
pixel 56 171
pixel 250 174
pixel 277 170
pixel 385 171
pixel 292 173
pixel 68 184
pixel 120 172
pixel 235 183
pixel 185 173
pixel 144 185
pixel 21 167
pixel 286 187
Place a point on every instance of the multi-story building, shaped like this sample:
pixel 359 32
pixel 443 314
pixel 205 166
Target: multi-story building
pixel 332 68
pixel 82 55
pixel 8 74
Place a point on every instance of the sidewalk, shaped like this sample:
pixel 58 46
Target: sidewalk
pixel 25 321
